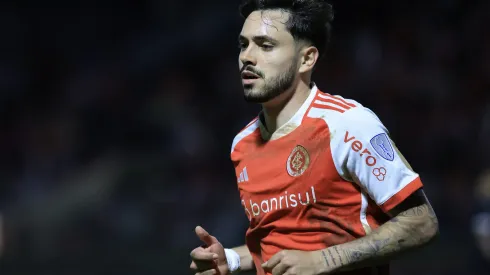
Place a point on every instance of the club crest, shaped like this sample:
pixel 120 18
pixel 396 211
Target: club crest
pixel 382 145
pixel 298 161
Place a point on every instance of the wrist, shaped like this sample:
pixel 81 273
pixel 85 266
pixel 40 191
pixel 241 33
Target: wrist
pixel 233 261
pixel 328 260
pixel 321 262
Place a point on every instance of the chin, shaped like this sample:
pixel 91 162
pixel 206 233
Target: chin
pixel 261 93
pixel 257 97
pixel 253 97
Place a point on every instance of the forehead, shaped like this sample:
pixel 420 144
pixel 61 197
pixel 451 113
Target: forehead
pixel 268 22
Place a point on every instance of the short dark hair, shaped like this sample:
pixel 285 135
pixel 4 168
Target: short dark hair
pixel 310 20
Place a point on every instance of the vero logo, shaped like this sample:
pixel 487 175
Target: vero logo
pixel 358 147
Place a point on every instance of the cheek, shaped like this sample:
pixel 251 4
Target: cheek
pixel 275 69
pixel 280 59
pixel 273 60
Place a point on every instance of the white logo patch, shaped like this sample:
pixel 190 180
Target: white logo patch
pixel 382 145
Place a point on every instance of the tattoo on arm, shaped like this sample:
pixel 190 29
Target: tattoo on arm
pixel 409 229
pixel 325 257
pixel 332 257
pixel 338 254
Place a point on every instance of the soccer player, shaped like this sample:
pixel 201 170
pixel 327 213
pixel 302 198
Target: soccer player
pixel 321 182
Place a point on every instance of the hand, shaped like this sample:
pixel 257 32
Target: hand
pixel 294 262
pixel 210 258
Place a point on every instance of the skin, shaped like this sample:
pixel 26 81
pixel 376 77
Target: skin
pixel 284 67
pixel 413 225
pixel 283 64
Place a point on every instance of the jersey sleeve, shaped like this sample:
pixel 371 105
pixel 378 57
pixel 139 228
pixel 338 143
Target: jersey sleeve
pixel 364 153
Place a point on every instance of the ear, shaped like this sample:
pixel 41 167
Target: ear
pixel 309 56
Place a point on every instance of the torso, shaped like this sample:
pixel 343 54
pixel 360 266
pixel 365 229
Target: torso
pixel 292 193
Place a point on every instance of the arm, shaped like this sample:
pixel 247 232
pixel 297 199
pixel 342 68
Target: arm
pixel 213 258
pixel 246 261
pixel 413 225
pixel 397 191
pixel 363 153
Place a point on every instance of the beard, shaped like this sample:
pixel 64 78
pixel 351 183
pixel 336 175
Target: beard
pixel 272 88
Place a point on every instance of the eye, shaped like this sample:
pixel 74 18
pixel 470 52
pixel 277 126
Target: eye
pixel 242 46
pixel 266 46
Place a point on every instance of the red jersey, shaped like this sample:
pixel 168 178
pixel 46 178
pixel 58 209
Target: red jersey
pixel 326 177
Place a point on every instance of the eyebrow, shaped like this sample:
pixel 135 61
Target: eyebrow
pixel 258 38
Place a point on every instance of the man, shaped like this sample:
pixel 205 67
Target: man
pixel 324 187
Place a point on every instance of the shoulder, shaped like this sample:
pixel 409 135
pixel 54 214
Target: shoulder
pixel 245 132
pixel 340 112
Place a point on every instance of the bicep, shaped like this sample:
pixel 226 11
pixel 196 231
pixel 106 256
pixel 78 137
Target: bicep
pixel 414 202
pixel 415 214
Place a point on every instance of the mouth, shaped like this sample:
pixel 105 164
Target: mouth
pixel 249 75
pixel 249 78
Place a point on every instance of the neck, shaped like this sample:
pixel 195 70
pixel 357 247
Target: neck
pixel 282 108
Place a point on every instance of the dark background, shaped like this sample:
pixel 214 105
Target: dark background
pixel 118 118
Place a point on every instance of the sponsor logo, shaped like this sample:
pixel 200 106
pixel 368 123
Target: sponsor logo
pixel 285 201
pixel 367 156
pixel 379 173
pixel 357 146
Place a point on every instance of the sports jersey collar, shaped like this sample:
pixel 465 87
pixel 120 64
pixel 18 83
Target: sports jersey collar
pixel 293 122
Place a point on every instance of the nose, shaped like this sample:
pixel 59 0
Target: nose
pixel 247 57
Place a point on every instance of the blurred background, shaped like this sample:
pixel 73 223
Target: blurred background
pixel 118 118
